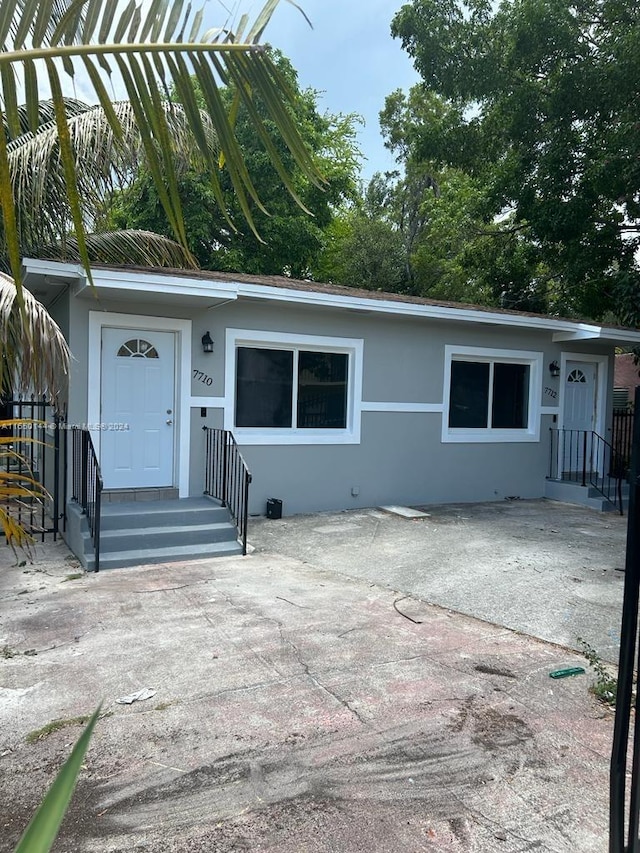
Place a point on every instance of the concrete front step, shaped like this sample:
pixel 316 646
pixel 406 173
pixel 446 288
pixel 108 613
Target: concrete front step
pixel 167 536
pixel 150 556
pixel 140 532
pixel 134 514
pixel 574 493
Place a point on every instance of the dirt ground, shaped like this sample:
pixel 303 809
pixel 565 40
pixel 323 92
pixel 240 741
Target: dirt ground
pixel 300 707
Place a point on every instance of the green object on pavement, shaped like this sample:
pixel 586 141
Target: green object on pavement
pixel 565 673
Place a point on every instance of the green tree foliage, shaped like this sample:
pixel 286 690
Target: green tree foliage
pixel 290 232
pixel 541 111
pixel 363 246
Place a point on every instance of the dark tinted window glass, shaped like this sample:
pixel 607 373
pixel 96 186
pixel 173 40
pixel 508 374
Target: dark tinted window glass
pixel 469 400
pixel 510 396
pixel 322 390
pixel 264 382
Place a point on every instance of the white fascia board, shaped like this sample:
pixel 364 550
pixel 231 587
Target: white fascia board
pixel 584 332
pixel 153 283
pixel 55 269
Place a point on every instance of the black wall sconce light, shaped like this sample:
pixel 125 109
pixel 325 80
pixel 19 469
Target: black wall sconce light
pixel 207 343
pixel 554 369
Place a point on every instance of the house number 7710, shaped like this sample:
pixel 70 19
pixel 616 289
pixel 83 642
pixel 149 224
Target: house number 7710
pixel 202 377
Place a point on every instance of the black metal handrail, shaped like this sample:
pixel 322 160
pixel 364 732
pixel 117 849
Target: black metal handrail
pixel 608 470
pixel 227 478
pixel 86 485
pixel 585 457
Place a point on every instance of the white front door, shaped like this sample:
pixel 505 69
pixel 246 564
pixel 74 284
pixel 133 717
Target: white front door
pixel 137 408
pixel 579 412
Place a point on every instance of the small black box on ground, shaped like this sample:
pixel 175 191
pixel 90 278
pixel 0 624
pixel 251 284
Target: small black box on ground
pixel 274 508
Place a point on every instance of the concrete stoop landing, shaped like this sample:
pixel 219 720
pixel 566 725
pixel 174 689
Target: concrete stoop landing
pixel 135 533
pixel 574 493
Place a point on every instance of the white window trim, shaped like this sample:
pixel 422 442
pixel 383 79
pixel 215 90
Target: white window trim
pixel 491 435
pixel 352 347
pixel 139 322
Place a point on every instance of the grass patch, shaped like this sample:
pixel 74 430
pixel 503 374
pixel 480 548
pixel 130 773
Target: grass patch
pixel 7 652
pixel 56 725
pixel 74 577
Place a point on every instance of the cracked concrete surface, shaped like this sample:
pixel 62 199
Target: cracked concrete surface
pixel 297 710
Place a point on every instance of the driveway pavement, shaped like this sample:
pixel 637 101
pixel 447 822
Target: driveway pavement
pixel 301 707
pixel 550 570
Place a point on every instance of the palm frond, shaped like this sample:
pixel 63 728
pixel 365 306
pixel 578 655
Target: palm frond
pixel 131 246
pixel 143 48
pixel 103 162
pixel 35 353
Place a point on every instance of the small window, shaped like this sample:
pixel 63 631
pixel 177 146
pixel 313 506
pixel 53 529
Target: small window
pixel 488 396
pixel 576 376
pixel 491 395
pixel 264 382
pixel 291 389
pixel 137 348
pixel 322 390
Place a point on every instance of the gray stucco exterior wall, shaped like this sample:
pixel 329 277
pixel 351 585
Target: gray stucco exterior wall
pixel 400 456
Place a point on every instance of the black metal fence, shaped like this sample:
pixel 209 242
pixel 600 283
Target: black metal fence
pixel 34 450
pixel 624 814
pixel 622 434
pixel 86 485
pixel 227 477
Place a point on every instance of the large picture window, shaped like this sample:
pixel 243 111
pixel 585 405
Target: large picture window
pixel 293 389
pixel 491 395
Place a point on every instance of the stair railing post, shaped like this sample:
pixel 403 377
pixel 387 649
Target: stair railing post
pixel 584 458
pixel 225 461
pixel 84 465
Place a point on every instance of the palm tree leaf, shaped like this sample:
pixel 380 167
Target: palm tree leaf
pixel 25 24
pixel 12 242
pixel 43 828
pixel 197 26
pixel 130 38
pixel 35 353
pixel 195 118
pixel 103 97
pixel 142 248
pixel 142 109
pixel 42 22
pixel 268 80
pixel 174 19
pixel 265 136
pixel 12 115
pixel 134 26
pixel 7 13
pixel 108 16
pixel 32 110
pixel 91 19
pixel 161 133
pixel 68 163
pixel 125 20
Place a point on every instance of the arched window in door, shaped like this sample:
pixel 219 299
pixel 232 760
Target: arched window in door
pixel 576 376
pixel 137 348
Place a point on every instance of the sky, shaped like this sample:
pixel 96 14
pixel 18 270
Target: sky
pixel 348 56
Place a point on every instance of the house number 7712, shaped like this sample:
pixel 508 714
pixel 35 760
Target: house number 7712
pixel 202 377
